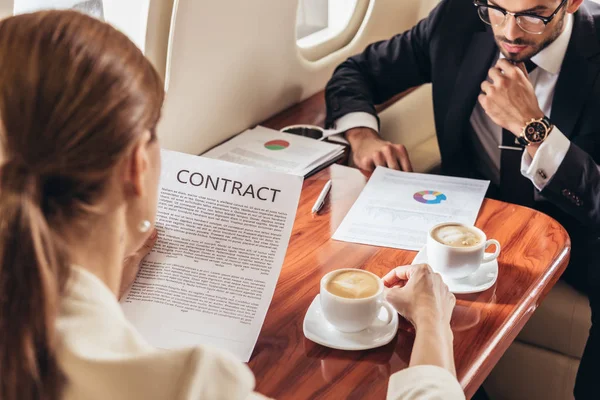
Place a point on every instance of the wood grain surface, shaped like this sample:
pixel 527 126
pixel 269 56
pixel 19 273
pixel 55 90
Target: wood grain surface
pixel 535 251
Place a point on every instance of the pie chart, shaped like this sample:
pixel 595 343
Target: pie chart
pixel 429 197
pixel 277 144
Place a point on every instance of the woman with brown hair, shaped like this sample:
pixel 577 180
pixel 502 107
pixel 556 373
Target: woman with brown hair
pixel 79 171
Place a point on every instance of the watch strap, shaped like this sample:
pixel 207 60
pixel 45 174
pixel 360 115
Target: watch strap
pixel 522 141
pixel 546 121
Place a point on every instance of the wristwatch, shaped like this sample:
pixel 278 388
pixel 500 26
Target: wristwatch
pixel 535 131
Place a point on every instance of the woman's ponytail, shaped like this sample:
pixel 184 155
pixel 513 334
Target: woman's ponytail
pixel 33 272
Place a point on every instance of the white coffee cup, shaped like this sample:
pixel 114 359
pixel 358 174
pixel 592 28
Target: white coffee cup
pixel 459 262
pixel 352 315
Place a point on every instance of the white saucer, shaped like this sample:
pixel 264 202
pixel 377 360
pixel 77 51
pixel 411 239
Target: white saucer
pixel 317 329
pixel 480 280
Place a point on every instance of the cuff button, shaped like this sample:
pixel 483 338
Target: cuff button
pixel 542 173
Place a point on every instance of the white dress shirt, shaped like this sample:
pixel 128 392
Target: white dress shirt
pixel 539 169
pixel 104 357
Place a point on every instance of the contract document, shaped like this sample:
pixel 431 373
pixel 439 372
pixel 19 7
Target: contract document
pixel 223 234
pixel 397 209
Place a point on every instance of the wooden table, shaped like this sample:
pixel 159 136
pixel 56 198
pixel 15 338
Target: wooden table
pixel 535 251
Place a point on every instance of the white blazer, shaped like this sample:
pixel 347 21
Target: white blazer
pixel 104 357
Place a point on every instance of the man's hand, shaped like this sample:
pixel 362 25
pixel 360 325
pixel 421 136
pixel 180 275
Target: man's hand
pixel 509 100
pixel 370 151
pixel 131 264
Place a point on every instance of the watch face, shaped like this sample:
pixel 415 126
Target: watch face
pixel 535 132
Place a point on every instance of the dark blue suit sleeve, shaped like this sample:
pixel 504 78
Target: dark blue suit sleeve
pixel 575 188
pixel 383 70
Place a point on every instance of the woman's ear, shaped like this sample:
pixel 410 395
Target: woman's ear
pixel 137 165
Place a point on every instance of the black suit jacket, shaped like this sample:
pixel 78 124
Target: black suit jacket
pixel 453 50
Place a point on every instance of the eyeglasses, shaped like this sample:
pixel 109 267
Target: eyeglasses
pixel 530 23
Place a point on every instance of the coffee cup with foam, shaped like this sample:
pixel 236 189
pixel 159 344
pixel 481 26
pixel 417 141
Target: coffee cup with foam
pixel 351 299
pixel 457 250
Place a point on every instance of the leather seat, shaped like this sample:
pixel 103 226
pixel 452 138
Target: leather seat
pixel 568 314
pixel 528 372
pixel 410 121
pixel 542 363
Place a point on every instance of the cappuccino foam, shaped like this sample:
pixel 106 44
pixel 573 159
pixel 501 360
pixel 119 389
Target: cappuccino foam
pixel 353 285
pixel 456 236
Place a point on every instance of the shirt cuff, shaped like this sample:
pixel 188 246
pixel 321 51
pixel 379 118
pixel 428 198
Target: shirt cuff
pixel 541 168
pixel 356 120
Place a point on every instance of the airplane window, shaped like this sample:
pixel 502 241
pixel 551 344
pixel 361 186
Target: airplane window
pixel 319 20
pixel 94 8
pixel 324 26
pixel 129 16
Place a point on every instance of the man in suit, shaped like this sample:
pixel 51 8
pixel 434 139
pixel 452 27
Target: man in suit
pixel 516 100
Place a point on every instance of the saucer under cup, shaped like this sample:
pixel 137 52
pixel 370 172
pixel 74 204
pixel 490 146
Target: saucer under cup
pixel 482 279
pixel 317 329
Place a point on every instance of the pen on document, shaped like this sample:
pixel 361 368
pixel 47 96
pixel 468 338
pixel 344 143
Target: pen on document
pixel 321 199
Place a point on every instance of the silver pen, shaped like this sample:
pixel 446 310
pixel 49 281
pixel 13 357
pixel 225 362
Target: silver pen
pixel 321 199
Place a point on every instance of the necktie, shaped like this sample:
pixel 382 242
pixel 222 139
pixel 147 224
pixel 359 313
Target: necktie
pixel 514 187
pixel 530 66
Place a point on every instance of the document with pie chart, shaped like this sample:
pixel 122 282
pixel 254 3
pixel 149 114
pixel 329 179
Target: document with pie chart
pixel 278 151
pixel 397 209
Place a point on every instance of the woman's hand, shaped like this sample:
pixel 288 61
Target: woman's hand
pixel 419 295
pixel 131 264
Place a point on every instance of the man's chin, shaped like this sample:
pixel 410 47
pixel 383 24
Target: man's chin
pixel 517 57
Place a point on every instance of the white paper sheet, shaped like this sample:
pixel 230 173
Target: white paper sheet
pixel 397 209
pixel 279 151
pixel 130 16
pixel 223 237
